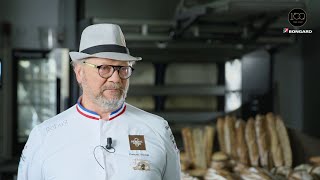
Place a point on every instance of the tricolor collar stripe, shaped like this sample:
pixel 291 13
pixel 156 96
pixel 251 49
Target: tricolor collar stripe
pixel 86 115
pixel 121 111
pixel 87 110
pixel 93 115
pixel 118 110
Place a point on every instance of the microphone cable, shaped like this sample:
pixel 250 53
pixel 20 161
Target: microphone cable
pixel 109 150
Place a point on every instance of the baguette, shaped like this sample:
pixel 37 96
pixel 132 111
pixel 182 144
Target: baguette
pixel 199 148
pixel 262 140
pixel 241 145
pixel 208 142
pixel 276 151
pixel 284 142
pixel 188 145
pixel 220 131
pixel 229 136
pixel 250 136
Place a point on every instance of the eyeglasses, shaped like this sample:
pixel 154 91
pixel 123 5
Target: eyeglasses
pixel 106 71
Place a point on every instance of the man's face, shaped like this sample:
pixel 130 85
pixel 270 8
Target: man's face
pixel 107 93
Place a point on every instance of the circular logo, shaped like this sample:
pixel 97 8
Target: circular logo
pixel 297 17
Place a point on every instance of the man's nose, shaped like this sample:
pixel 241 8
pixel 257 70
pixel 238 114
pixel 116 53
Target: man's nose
pixel 115 77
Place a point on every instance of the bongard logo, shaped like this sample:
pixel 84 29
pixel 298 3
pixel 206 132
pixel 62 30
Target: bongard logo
pixel 137 142
pixel 297 17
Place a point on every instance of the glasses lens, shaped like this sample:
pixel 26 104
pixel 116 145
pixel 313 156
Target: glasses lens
pixel 125 72
pixel 105 70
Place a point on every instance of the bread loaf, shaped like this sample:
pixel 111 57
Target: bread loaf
pixel 241 145
pixel 219 156
pixel 284 142
pixel 250 136
pixel 303 167
pixel 254 173
pixel 262 140
pixel 276 151
pixel 197 172
pixel 315 160
pixel 282 171
pixel 220 160
pixel 218 174
pixel 300 175
pixel 315 172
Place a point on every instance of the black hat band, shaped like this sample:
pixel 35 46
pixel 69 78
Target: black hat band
pixel 106 48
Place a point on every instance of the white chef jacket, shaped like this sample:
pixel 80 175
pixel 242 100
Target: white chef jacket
pixel 70 145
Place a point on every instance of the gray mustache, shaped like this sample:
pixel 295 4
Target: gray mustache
pixel 113 86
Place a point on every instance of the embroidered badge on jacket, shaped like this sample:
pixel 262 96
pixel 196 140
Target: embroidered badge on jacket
pixel 137 142
pixel 142 165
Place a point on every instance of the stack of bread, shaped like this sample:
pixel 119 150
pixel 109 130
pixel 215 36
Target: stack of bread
pixel 198 145
pixel 260 142
pixel 255 146
pixel 256 149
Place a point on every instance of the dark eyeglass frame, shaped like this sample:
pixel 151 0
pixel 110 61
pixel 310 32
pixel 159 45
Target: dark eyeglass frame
pixel 114 68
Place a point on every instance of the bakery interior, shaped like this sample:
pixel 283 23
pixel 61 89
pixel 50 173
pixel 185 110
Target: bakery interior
pixel 240 93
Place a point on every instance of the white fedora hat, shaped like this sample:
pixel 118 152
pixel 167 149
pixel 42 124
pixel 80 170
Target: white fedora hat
pixel 103 41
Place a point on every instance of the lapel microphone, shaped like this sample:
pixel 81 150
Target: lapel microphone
pixel 109 143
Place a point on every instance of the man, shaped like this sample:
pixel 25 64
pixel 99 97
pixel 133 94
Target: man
pixel 101 137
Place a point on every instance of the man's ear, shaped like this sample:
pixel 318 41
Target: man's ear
pixel 78 72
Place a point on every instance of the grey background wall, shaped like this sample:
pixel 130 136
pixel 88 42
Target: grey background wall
pixel 296 84
pixel 311 83
pixel 288 85
pixel 142 9
pixel 26 17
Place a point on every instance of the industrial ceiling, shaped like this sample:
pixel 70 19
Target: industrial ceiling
pixel 225 29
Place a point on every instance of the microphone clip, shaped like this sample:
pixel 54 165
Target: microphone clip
pixel 109 143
